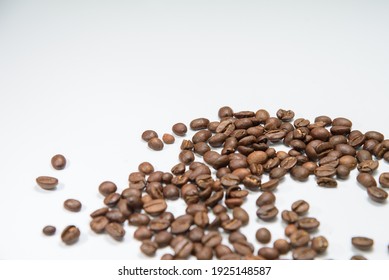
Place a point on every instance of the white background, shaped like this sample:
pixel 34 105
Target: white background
pixel 85 78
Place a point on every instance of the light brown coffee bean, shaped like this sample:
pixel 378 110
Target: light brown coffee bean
pixel 362 243
pixel 72 205
pixel 70 235
pixel 47 182
pixel 58 162
pixel 49 230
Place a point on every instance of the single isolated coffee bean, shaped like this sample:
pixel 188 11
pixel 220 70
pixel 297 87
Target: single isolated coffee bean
pixel 72 205
pixel 377 194
pixel 266 198
pixel 168 138
pixel 155 144
pixel 107 187
pixel 58 162
pixel 367 180
pixel 263 235
pixel 179 129
pixel 300 207
pixel 47 182
pixel 49 230
pixel 319 244
pixel 362 243
pixel 70 235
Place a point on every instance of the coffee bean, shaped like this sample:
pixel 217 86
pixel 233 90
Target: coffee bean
pixel 263 235
pixel 374 135
pixel 206 253
pixel 70 235
pixel 196 234
pixel 288 163
pixel 271 185
pixel 268 253
pixel 308 224
pixel 171 192
pixel 241 214
pixel 168 138
pixel 243 248
pixel 362 243
pixel 47 182
pixel 300 207
pixel 377 194
pixel 225 112
pixel 319 244
pixel 200 123
pixel 155 207
pixel 163 238
pixel 155 144
pixel 300 173
pixel 115 230
pixel 222 250
pixel 179 129
pixel 299 238
pixel 366 180
pixel 143 233
pixel 384 180
pixel 327 182
pixel 231 225
pixel 257 157
pixel 201 219
pixel 186 157
pixel 358 258
pixel 112 199
pixel 349 161
pixel 285 115
pixel 304 253
pixel 99 223
pixel 290 229
pixel 211 239
pixel 149 247
pixel 147 135
pixel 99 212
pixel 266 198
pixel 107 187
pixel 49 230
pixel 72 205
pixel 267 212
pixel 282 246
pixel 289 217
pixel 146 168
pixel 159 224
pixel 325 171
pixel 181 224
pixel 368 166
pixel 114 215
pixel 58 162
pixel 277 173
pixel 183 249
pixel 138 219
pixel 342 171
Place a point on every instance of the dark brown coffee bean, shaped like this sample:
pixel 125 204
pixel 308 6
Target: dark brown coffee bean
pixel 277 173
pixel 201 219
pixel 267 212
pixel 384 179
pixel 299 238
pixel 179 129
pixel 201 148
pixel 349 161
pixel 200 123
pixel 225 112
pixel 99 223
pixel 163 238
pixel 183 249
pixel 181 224
pixel 366 180
pixel 342 121
pixel 171 192
pixel 300 207
pixel 266 198
pixel 241 214
pixel 149 247
pixel 288 163
pixel 107 187
pixel 289 217
pixel 58 162
pixel 325 171
pixel 308 224
pixel 362 243
pixel 47 182
pixel 282 246
pixel 368 166
pixel 155 207
pixel 186 157
pixel 346 149
pixel 196 234
pixel 358 258
pixel 115 230
pixel 377 194
pixel 299 173
pixel 146 168
pixel 99 212
pixel 112 199
pixel 319 244
pixel 325 119
pixel 304 253
pixel 138 219
pixel 363 155
pixel 49 230
pixel 263 235
pixel 143 233
pixel 375 135
pixel 258 157
pixel 159 224
pixel 70 235
pixel 342 172
pixel 222 250
pixel 268 253
pixel 155 144
pixel 149 134
pixel 168 138
pixel 329 161
pixel 233 202
pixel 229 180
pixel 271 185
pixel 114 215
pixel 243 248
pixel 327 182
pixel 72 205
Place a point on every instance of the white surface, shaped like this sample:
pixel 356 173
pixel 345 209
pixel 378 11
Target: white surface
pixel 85 78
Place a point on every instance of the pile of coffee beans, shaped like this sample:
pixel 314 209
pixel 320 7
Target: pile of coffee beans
pixel 236 150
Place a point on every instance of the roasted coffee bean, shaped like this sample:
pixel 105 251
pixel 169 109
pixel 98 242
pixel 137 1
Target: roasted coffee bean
pixel 282 246
pixel 368 166
pixel 99 212
pixel 290 229
pixel 231 225
pixel 332 161
pixel 211 239
pixel 266 198
pixel 70 235
pixel 155 144
pixel 377 194
pixel 192 209
pixel 159 224
pixel 163 238
pixel 358 258
pixel 300 207
pixel 143 233
pixel 342 121
pixel 271 185
pixel 285 115
pixel 251 182
pixel 99 223
pixel 171 192
pixel 349 161
pixel 147 135
pixel 47 182
pixel 187 145
pixel 178 169
pixel 112 199
pixel 366 180
pixel 319 244
pixel 115 230
pixel 155 207
pixel 384 180
pixel 289 217
pixel 179 129
pixel 200 123
pixel 342 171
pixel 222 250
pixel 72 205
pixel 327 182
pixel 304 253
pixel 201 148
pixel 49 230
pixel 107 187
pixel 363 155
pixel 205 253
pixel 320 133
pixel 138 219
pixel 146 168
pixel 186 157
pixel 201 219
pixel 362 243
pixel 299 238
pixel 299 173
pixel 288 163
pixel 114 215
pixel 166 257
pixel 345 149
pixel 181 224
pixel 58 162
pixel 325 171
pixel 308 224
pixel 268 253
pixel 225 112
pixel 241 214
pixel 196 234
pixel 229 180
pixel 183 249
pixel 258 157
pixel 263 235
pixel 277 173
pixel 375 135
pixel 233 202
pixel 243 248
pixel 267 212
pixel 168 138
pixel 149 247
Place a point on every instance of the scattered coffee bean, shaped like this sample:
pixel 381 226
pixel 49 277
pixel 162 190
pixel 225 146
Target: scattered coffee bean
pixel 358 258
pixel 47 182
pixel 58 162
pixel 115 230
pixel 267 212
pixel 282 246
pixel 49 230
pixel 107 187
pixel 99 223
pixel 149 247
pixel 362 243
pixel 304 253
pixel 300 207
pixel 70 235
pixel 384 180
pixel 155 144
pixel 168 138
pixel 147 135
pixel 263 235
pixel 319 244
pixel 377 194
pixel 72 205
